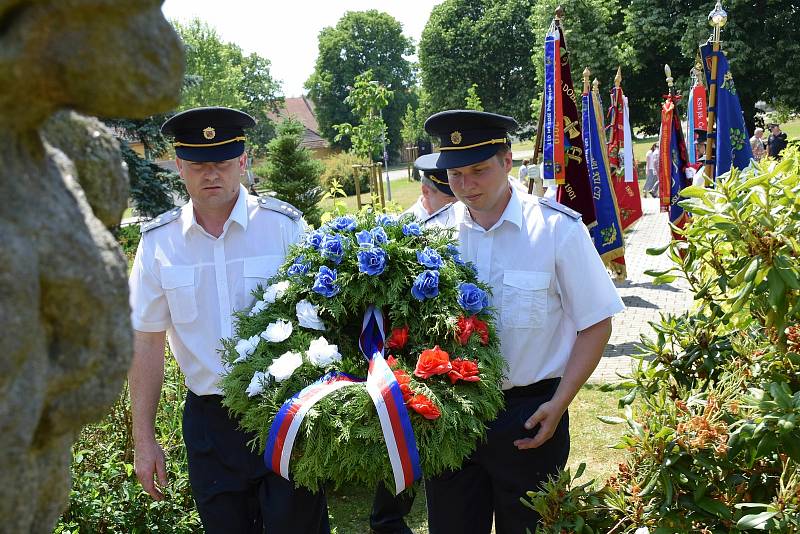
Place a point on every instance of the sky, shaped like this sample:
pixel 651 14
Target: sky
pixel 286 32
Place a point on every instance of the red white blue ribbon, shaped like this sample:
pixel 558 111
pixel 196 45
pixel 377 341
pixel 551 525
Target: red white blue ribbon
pixel 385 393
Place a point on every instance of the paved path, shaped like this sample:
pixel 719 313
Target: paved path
pixel 644 302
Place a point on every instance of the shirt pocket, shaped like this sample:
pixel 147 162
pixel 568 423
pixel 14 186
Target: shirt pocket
pixel 179 287
pixel 257 271
pixel 524 299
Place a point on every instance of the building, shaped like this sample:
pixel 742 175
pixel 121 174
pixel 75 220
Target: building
pixel 302 109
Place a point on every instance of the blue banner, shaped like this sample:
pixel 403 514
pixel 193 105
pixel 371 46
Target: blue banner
pixel 607 233
pixel 550 125
pixel 732 140
pixel 677 163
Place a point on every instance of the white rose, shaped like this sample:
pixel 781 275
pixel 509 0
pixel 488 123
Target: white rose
pixel 321 353
pixel 283 367
pixel 257 383
pixel 275 291
pixel 246 347
pixel 259 306
pixel 307 315
pixel 277 331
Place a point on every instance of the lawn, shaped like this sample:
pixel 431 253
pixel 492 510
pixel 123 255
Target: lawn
pixel 591 439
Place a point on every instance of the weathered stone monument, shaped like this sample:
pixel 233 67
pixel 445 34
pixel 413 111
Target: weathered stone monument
pixel 65 334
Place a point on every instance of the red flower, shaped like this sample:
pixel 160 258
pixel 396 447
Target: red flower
pixel 465 370
pixel 469 325
pixel 391 361
pixel 431 362
pixel 404 380
pixel 398 339
pixel 423 406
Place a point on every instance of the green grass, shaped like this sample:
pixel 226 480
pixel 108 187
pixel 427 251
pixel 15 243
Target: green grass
pixel 792 129
pixel 349 507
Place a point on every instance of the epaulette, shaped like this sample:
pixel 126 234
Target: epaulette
pixel 437 212
pixel 270 203
pixel 552 204
pixel 161 220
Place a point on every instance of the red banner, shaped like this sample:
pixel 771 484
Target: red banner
pixel 628 197
pixel 699 109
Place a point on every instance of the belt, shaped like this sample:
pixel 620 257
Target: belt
pixel 533 390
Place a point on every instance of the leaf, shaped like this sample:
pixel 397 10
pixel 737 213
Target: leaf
pixel 756 521
pixel 715 507
pixel 657 251
pixel 611 420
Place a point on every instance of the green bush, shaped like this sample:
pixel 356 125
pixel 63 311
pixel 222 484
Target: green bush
pixel 340 168
pixel 713 444
pixel 106 497
pixel 128 238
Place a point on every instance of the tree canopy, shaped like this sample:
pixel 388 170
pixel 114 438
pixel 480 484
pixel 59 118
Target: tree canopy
pixel 484 42
pixel 361 40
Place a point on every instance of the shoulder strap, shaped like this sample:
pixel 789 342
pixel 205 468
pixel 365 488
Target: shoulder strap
pixel 552 204
pixel 437 212
pixel 273 204
pixel 165 218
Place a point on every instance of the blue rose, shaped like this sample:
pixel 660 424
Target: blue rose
pixel 300 266
pixel 332 248
pixel 364 239
pixel 455 254
pixel 385 219
pixel 426 286
pixel 411 229
pixel 379 235
pixel 472 298
pixel 372 261
pixel 314 238
pixel 345 223
pixel 325 282
pixel 429 258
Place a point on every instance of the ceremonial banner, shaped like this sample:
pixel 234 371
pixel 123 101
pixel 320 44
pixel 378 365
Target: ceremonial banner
pixel 732 146
pixel 576 191
pixel 672 163
pixel 607 233
pixel 553 145
pixel 695 118
pixel 621 163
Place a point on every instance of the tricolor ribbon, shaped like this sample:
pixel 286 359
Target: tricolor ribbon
pixel 385 392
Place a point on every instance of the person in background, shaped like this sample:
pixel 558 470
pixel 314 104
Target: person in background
pixel 522 175
pixel 757 144
pixel 436 193
pixel 651 168
pixel 776 142
pixel 194 267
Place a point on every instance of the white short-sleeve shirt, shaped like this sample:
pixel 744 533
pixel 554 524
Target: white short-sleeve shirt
pixel 188 283
pixel 547 279
pixel 418 210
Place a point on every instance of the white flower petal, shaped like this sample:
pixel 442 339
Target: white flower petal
pixel 275 291
pixel 257 383
pixel 277 331
pixel 259 306
pixel 321 353
pixel 283 366
pixel 246 347
pixel 642 530
pixel 307 316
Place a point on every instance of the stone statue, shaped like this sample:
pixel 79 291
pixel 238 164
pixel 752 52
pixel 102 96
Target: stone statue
pixel 65 339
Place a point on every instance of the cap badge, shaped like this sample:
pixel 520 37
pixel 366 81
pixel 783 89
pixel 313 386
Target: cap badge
pixel 455 137
pixel 209 133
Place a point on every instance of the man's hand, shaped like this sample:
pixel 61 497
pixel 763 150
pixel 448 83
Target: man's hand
pixel 149 462
pixel 547 417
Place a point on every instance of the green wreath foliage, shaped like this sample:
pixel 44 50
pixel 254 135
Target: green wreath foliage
pixel 340 440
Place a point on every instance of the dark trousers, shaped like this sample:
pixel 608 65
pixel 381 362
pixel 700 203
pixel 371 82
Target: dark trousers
pixel 232 488
pixel 492 480
pixel 388 511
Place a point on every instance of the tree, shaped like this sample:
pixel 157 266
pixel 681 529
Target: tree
pixel 473 101
pixel 483 42
pixel 226 77
pixel 367 99
pixel 291 171
pixel 361 40
pixel 758 39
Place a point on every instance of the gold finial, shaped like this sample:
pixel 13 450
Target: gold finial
pixel 618 77
pixel 586 74
pixel 668 73
pixel 559 12
pixel 596 85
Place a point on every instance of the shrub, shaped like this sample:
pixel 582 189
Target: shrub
pixel 340 167
pixel 106 497
pixel 714 443
pixel 128 238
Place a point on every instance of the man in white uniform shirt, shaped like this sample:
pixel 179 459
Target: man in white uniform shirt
pixel 554 302
pixel 195 266
pixel 436 194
